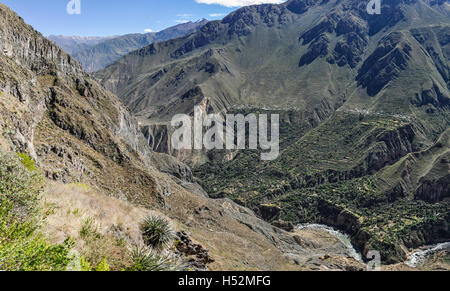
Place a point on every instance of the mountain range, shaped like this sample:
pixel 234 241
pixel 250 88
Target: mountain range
pixel 72 44
pixel 364 107
pixel 98 178
pixel 95 53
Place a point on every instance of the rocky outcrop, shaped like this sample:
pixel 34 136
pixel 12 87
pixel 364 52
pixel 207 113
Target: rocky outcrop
pixel 268 212
pixel 32 50
pixel 243 21
pixel 430 232
pixel 434 186
pixel 317 48
pixel 433 96
pixel 199 257
pixel 349 50
pixel 170 165
pixel 385 63
pixel 206 35
pixel 434 40
pixel 301 6
pixel 338 217
pixel 284 225
pixel 392 145
pixel 76 130
pixel 434 191
pixel 158 138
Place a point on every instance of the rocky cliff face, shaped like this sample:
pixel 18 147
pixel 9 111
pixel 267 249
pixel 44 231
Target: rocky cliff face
pixel 67 121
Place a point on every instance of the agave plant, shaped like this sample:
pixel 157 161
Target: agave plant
pixel 147 259
pixel 157 232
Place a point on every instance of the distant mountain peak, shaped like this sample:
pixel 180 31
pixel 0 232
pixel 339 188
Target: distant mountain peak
pixel 95 53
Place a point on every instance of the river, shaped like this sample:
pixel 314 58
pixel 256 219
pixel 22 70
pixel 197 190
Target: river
pixel 418 257
pixel 342 237
pixel 415 259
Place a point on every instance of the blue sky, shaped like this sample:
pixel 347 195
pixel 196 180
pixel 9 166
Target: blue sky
pixel 115 17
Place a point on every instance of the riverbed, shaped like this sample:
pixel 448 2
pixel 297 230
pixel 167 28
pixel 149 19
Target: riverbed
pixel 342 237
pixel 418 257
pixel 415 258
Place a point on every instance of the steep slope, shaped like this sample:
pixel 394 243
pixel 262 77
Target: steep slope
pixel 55 112
pixel 229 54
pixel 96 53
pixel 356 94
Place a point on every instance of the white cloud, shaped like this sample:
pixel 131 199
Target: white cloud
pixel 185 15
pixel 239 3
pixel 181 21
pixel 148 30
pixel 217 14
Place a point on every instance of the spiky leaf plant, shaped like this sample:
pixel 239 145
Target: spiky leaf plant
pixel 147 259
pixel 157 232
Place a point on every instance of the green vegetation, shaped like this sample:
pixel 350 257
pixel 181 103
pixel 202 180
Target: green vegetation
pixel 80 185
pixel 20 188
pixel 85 266
pixel 146 259
pixel 158 235
pixel 88 230
pixel 27 162
pixel 22 247
pixel 157 232
pixel 102 266
pixel 340 169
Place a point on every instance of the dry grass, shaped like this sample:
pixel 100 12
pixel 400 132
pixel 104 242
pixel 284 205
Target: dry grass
pixel 105 227
pixel 102 226
pixel 233 245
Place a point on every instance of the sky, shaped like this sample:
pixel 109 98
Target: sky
pixel 116 17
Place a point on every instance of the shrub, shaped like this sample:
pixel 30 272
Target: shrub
pixel 20 186
pixel 22 247
pixel 85 266
pixel 146 259
pixel 80 263
pixel 27 162
pixel 89 230
pixel 102 266
pixel 157 232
